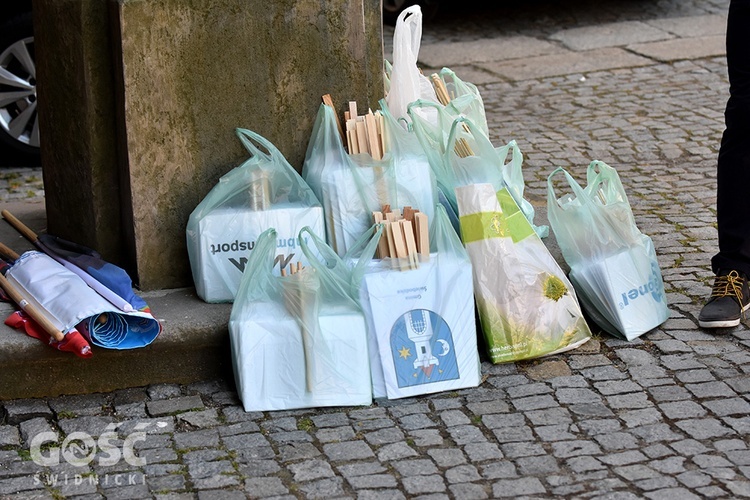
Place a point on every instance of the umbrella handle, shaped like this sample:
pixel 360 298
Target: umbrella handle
pixel 19 226
pixel 31 309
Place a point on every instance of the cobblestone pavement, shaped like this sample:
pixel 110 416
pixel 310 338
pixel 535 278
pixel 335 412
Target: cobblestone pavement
pixel 664 416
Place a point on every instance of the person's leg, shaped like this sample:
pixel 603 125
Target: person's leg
pixel 733 173
pixel 730 295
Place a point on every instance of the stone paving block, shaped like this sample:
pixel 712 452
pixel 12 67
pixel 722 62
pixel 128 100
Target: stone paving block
pixel 558 432
pixel 439 55
pixel 589 410
pixel 624 458
pixel 710 390
pixel 25 409
pixel 468 491
pixel 418 421
pixel 349 450
pixel 641 417
pixel 532 389
pixel 497 406
pixel 383 436
pixel 550 416
pixel 290 451
pixel 464 434
pixel 478 452
pixel 426 437
pixel 682 48
pixel 511 434
pixel 548 370
pixel 523 449
pixel 725 407
pixel 79 405
pixel 32 428
pixel 439 404
pixel 569 381
pixel 534 403
pixel 380 495
pixel 599 373
pixel 9 436
pixel 609 35
pixel 566 449
pixel 214 495
pixel 577 396
pixel 415 485
pixel 600 426
pixel 265 486
pixel 668 393
pixel 692 26
pixel 311 469
pixel 612 387
pixel 537 465
pixel 328 435
pixel 200 419
pixel 584 464
pixel 462 474
pixel 454 417
pixel 373 481
pixel 164 407
pixel 259 468
pixel 656 432
pixel 518 487
pixel 242 441
pixel 616 441
pixel 244 427
pixel 693 376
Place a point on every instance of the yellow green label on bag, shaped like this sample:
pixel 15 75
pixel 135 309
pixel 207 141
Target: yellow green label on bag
pixel 510 223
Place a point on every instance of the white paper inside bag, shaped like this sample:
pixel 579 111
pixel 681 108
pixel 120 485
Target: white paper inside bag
pixel 626 289
pixel 227 235
pixel 269 359
pixel 423 321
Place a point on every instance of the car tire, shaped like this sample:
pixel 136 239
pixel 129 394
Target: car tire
pixel 17 58
pixel 392 8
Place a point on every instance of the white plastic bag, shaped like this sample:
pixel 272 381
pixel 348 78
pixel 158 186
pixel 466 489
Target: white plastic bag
pixel 352 187
pixel 406 83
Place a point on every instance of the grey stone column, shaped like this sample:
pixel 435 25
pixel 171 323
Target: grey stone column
pixel 144 105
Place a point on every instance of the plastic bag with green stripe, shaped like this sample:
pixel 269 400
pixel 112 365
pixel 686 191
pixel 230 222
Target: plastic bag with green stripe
pixel 527 307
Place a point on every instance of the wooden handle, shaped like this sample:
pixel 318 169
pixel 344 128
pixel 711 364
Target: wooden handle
pixel 8 252
pixel 19 226
pixel 30 309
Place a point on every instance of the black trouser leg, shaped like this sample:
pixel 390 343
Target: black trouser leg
pixel 733 175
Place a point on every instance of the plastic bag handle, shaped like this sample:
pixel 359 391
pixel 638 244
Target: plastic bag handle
pixel 369 243
pixel 410 19
pixel 577 189
pixel 332 260
pixel 248 136
pixel 605 175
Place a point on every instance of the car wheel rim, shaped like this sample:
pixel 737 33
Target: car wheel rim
pixel 18 114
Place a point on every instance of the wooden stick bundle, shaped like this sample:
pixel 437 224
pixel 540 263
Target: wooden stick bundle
pixel 405 237
pixel 462 148
pixel 364 133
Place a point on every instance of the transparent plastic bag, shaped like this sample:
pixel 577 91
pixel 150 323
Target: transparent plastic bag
pixel 298 341
pixel 264 191
pixel 352 187
pixel 422 323
pixel 612 264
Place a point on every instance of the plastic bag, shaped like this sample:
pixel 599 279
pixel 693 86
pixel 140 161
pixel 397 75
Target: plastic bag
pixel 465 99
pixel 298 341
pixel 421 321
pixel 406 83
pixel 461 154
pixel 351 187
pixel 612 264
pixel 265 191
pixel 526 305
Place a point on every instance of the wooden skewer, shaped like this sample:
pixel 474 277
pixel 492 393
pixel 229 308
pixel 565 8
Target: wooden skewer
pixel 329 102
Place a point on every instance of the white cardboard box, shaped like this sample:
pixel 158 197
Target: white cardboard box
pixel 423 333
pixel 227 236
pixel 273 370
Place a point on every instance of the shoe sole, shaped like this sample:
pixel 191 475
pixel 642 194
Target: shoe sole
pixel 728 323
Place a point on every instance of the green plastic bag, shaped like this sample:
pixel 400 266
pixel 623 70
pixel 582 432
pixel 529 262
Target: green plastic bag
pixel 300 340
pixel 612 264
pixel 352 187
pixel 264 191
